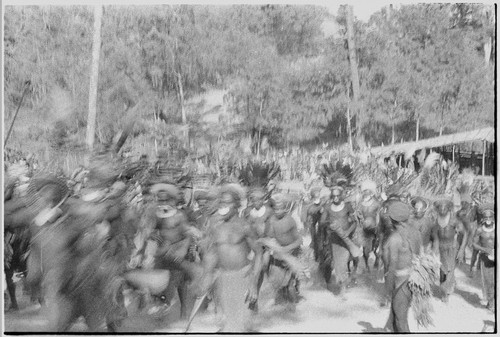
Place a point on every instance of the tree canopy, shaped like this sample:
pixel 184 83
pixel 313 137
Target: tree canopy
pixel 287 80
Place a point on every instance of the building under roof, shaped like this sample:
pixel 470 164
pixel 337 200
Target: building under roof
pixel 486 134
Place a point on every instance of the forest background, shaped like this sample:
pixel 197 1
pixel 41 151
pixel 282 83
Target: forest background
pixel 284 72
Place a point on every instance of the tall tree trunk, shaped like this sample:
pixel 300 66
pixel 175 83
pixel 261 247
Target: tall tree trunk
pixel 349 133
pixel 181 99
pixel 417 132
pixel 260 126
pixel 441 126
pixel 393 134
pixel 354 70
pixel 94 77
pixel 185 130
pixel 487 50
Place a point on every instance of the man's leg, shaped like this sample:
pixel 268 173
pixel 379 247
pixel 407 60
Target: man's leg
pixel 488 282
pixel 400 305
pixel 473 260
pixel 231 289
pixel 340 260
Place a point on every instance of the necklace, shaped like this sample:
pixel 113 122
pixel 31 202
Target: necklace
pixel 488 230
pixel 337 208
pixel 257 213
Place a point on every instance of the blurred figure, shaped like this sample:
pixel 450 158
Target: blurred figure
pixel 484 242
pixel 448 226
pixel 402 245
pixel 284 240
pixel 423 223
pixel 227 265
pixel 312 221
pixel 369 217
pixel 338 219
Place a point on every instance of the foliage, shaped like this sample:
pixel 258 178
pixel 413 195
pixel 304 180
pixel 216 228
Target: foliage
pixel 285 80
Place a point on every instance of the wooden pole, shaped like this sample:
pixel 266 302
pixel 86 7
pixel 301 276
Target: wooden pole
pixel 26 87
pixel 94 76
pixel 453 154
pixel 484 155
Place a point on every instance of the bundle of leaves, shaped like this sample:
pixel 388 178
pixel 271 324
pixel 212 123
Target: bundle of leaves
pixel 371 171
pixel 337 173
pixel 424 273
pixel 259 174
pixel 436 178
pixel 483 192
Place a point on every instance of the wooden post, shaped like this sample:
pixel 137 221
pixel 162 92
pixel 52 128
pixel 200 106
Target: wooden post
pixel 94 76
pixel 453 154
pixel 484 155
pixel 27 86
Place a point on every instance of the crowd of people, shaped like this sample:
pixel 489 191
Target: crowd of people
pixel 88 242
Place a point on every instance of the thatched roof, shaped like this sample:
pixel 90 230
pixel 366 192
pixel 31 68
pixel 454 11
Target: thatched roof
pixel 487 134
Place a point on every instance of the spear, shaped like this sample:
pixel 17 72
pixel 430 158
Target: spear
pixel 26 87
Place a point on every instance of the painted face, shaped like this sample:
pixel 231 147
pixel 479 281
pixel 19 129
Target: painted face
pixel 489 219
pixel 227 206
pixel 315 197
pixel 419 209
pixel 337 196
pixel 167 202
pixel 405 197
pixel 443 208
pixel 202 202
pixel 257 202
pixel 328 182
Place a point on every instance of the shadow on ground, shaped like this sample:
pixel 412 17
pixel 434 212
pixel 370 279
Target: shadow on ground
pixel 368 327
pixel 471 298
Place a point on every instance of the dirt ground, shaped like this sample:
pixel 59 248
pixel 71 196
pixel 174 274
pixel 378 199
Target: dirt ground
pixel 319 311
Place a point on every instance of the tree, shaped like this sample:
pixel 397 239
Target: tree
pixel 94 77
pixel 354 69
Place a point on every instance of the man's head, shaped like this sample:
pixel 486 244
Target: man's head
pixel 368 190
pixel 117 189
pixel 315 196
pixel 166 194
pixel 337 197
pixel 405 197
pixel 398 212
pixel 279 205
pixel 328 182
pixel 444 209
pixel 201 198
pixel 488 215
pixel 419 207
pixel 229 202
pixel 257 198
